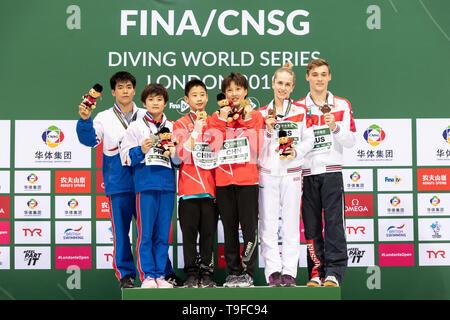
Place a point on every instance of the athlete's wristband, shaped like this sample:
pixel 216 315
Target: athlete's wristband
pixel 336 130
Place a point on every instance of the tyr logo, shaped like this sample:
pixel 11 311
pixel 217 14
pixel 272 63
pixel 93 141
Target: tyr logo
pixel 108 256
pixel 361 229
pixel 435 254
pixel 32 232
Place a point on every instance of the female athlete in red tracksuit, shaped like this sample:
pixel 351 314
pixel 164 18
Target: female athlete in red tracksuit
pixel 237 185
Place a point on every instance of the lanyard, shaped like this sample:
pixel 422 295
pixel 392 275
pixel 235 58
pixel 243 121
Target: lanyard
pixel 326 101
pixel 192 118
pixel 148 125
pixel 118 112
pixel 288 109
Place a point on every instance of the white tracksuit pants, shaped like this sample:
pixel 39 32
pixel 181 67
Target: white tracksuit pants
pixel 280 196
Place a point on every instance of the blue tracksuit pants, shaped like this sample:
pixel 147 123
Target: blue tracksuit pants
pixel 154 216
pixel 123 209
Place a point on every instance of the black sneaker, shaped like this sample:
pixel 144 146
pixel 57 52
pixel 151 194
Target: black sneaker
pixel 127 282
pixel 206 281
pixel 174 280
pixel 191 281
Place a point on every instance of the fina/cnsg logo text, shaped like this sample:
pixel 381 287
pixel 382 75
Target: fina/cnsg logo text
pixel 228 22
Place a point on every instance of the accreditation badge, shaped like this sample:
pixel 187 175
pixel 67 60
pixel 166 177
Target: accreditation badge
pixel 234 151
pixel 291 129
pixel 323 141
pixel 155 157
pixel 203 156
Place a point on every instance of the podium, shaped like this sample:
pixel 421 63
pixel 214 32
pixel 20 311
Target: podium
pixel 221 293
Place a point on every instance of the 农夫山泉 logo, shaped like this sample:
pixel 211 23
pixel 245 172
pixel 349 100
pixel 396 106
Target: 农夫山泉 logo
pixel 53 136
pixel 446 134
pixel 374 135
pixel 355 176
pixel 73 203
pixel 435 201
pixel 395 201
pixel 32 178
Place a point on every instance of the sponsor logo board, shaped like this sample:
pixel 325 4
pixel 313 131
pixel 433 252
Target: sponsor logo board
pixel 32 232
pixel 33 258
pixel 401 254
pixel 32 207
pixel 32 181
pixel 395 230
pixel 394 179
pixel 49 144
pixel 395 204
pixel 66 257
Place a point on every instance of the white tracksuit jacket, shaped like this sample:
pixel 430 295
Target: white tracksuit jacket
pixel 268 159
pixel 326 155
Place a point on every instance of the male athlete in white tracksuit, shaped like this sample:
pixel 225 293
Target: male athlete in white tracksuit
pixel 280 183
pixel 334 129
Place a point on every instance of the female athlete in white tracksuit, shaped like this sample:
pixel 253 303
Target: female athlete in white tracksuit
pixel 280 182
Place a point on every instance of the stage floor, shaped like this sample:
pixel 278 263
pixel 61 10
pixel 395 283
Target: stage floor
pixel 220 293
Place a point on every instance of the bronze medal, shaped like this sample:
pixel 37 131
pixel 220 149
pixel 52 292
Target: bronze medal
pixel 325 109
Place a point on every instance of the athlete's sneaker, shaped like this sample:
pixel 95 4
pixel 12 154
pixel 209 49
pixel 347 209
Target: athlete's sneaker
pixel 127 282
pixel 314 282
pixel 331 281
pixel 231 281
pixel 149 283
pixel 191 281
pixel 244 280
pixel 206 281
pixel 288 281
pixel 174 280
pixel 275 279
pixel 162 283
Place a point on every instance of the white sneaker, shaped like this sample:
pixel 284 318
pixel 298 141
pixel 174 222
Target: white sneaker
pixel 162 283
pixel 244 280
pixel 331 281
pixel 149 283
pixel 231 281
pixel 314 282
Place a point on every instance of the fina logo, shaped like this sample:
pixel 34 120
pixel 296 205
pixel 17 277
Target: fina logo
pixel 395 179
pixel 180 106
pixel 374 135
pixel 53 136
pixel 446 134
